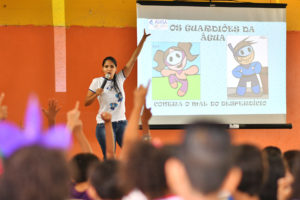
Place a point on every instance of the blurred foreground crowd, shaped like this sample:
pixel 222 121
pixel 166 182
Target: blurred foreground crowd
pixel 205 165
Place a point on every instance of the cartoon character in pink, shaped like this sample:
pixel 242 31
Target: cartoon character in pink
pixel 171 63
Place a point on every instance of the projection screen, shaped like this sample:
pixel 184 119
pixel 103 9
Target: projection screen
pixel 220 61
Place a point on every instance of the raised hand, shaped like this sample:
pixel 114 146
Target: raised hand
pixel 140 95
pixel 145 34
pixel 109 135
pixel 146 116
pixel 51 112
pixel 73 121
pixel 75 125
pixel 284 187
pixel 3 109
pixel 131 133
pixel 129 65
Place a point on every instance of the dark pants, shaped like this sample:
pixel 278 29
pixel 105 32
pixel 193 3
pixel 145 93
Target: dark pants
pixel 118 129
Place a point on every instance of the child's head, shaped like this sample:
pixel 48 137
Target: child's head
pixel 204 164
pixel 80 165
pixel 275 170
pixel 35 173
pixel 206 153
pixel 144 169
pixel 249 159
pixel 290 158
pixel 104 181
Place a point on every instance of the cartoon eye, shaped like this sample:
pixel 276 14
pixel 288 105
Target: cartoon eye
pixel 245 51
pixel 177 55
pixel 170 59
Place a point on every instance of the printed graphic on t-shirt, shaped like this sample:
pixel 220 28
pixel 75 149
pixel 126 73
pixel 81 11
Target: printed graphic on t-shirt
pixel 110 87
pixel 113 106
pixel 119 96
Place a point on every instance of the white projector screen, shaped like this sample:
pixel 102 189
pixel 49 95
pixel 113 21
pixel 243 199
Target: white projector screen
pixel 220 61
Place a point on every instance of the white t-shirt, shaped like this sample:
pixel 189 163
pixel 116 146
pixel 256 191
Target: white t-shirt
pixel 135 195
pixel 110 101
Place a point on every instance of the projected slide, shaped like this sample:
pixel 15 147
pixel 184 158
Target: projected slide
pixel 177 71
pixel 204 67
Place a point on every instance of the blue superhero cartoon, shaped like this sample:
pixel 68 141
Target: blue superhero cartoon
pixel 247 71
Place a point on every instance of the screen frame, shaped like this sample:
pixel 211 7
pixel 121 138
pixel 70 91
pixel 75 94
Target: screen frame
pixel 274 125
pixel 213 4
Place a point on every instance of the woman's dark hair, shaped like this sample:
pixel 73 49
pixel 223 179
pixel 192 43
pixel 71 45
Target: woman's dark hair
pixel 35 173
pixel 80 165
pixel 105 180
pixel 275 171
pixel 112 59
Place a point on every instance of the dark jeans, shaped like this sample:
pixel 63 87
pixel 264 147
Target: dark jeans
pixel 118 129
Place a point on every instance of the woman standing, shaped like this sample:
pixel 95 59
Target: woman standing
pixel 111 96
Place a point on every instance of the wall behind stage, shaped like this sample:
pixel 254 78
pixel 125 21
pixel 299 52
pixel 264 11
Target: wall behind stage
pixel 95 29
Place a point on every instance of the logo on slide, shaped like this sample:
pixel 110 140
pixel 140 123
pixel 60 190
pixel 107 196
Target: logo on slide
pixel 178 71
pixel 250 77
pixel 158 24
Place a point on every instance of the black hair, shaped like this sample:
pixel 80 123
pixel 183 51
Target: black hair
pixel 272 151
pixel 296 175
pixel 104 179
pixel 275 171
pixel 80 165
pixel 206 155
pixel 249 159
pixel 290 158
pixel 112 59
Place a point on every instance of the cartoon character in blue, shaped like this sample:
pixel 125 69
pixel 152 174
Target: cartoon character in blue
pixel 247 71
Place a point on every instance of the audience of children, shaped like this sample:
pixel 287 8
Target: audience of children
pixel 205 166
